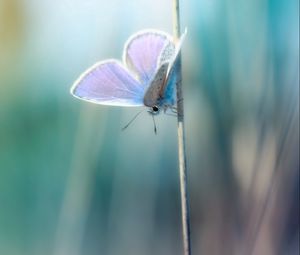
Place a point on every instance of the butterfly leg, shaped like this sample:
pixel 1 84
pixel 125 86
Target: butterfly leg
pixel 180 99
pixel 171 114
pixel 172 109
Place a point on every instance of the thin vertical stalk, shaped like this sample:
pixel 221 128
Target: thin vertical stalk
pixel 181 141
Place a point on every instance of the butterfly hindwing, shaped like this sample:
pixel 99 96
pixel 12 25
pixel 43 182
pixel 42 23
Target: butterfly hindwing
pixel 167 53
pixel 172 54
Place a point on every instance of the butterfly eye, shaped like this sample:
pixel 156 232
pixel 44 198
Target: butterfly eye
pixel 155 108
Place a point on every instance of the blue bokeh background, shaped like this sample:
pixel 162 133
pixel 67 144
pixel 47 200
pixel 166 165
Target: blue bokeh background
pixel 71 182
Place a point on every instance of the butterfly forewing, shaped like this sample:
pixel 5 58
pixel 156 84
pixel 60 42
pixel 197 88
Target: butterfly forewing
pixel 109 83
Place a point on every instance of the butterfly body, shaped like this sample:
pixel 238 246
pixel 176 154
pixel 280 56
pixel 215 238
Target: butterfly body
pixel 147 76
pixel 154 93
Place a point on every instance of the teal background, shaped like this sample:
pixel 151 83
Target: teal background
pixel 71 182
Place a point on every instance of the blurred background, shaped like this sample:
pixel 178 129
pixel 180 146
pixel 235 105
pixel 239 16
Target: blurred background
pixel 71 182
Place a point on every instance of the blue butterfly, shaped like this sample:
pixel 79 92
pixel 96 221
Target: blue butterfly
pixel 147 76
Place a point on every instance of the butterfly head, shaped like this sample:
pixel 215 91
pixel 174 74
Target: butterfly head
pixel 154 110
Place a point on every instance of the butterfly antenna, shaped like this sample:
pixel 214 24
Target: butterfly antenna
pixel 135 116
pixel 155 130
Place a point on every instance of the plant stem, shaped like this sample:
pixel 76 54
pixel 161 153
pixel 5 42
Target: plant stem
pixel 181 141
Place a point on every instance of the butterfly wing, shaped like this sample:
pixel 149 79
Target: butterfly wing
pixel 142 51
pixel 161 90
pixel 109 83
pixel 177 50
pixel 172 54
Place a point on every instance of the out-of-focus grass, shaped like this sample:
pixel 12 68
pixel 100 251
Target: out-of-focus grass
pixel 71 182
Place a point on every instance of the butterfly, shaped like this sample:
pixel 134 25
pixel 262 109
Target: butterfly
pixel 146 77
